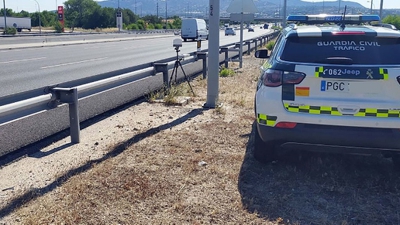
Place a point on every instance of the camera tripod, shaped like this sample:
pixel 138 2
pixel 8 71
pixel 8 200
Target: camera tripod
pixel 175 70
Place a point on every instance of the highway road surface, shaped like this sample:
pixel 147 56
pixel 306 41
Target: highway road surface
pixel 31 68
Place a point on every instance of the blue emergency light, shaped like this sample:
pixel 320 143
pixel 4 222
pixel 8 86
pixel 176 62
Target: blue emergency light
pixel 324 18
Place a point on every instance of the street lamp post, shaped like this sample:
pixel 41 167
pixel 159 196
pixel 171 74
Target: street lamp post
pixel 40 26
pixel 166 16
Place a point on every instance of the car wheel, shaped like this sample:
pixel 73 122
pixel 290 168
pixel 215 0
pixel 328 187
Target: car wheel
pixel 184 39
pixel 263 152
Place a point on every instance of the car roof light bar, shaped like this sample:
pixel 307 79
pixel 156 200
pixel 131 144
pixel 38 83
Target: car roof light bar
pixel 324 18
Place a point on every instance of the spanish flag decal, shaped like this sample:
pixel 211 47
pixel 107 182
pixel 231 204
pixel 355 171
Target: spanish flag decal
pixel 303 91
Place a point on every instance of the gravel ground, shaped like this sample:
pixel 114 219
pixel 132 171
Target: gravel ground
pixel 150 163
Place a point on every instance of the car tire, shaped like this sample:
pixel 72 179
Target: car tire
pixel 263 152
pixel 184 39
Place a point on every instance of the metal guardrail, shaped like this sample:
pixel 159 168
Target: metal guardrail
pixel 71 93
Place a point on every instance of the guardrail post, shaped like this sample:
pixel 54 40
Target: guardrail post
pixel 203 56
pixel 255 44
pixel 70 96
pixel 163 67
pixel 225 49
pixel 248 47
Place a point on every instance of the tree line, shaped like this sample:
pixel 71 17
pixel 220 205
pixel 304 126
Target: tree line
pixel 88 14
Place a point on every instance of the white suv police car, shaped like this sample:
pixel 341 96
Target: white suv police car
pixel 331 84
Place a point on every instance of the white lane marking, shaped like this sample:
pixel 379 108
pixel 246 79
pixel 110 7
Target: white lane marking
pixel 22 60
pixel 91 47
pixel 72 63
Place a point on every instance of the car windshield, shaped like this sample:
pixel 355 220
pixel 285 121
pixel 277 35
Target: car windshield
pixel 347 49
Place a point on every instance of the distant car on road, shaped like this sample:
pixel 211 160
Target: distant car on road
pixel 250 29
pixel 229 31
pixel 266 26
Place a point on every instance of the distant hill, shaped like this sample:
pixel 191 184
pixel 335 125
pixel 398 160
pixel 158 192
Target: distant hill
pixel 191 8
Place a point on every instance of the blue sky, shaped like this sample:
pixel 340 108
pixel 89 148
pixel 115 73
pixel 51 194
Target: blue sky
pixel 31 6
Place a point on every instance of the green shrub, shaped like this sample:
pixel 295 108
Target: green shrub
pixel 10 30
pixel 392 19
pixel 132 26
pixel 150 26
pixel 270 45
pixel 225 72
pixel 58 27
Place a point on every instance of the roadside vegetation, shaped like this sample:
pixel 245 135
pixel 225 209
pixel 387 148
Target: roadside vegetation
pixel 393 19
pixel 226 72
pixel 88 14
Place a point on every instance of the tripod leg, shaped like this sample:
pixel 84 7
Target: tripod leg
pixel 174 71
pixel 186 77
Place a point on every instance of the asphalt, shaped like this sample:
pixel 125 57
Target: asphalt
pixel 9 46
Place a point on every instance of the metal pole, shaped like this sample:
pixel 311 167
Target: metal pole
pixel 118 18
pixel 213 55
pixel 241 41
pixel 166 16
pixel 57 21
pixel 74 117
pixel 380 11
pixel 284 13
pixel 371 6
pixel 157 10
pixel 5 16
pixel 40 26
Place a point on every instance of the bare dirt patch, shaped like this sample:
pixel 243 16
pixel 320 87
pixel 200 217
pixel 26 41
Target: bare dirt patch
pixel 157 164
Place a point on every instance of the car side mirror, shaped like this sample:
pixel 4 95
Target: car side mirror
pixel 262 54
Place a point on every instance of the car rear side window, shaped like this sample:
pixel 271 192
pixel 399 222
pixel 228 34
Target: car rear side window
pixel 358 49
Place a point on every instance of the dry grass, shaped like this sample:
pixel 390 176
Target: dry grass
pixel 199 170
pixel 104 30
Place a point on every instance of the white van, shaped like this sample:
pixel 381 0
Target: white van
pixel 194 29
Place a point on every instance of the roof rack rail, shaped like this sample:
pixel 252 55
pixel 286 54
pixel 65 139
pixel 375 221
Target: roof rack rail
pixel 325 18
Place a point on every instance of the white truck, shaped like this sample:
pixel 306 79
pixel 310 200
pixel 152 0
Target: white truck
pixel 194 29
pixel 17 22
